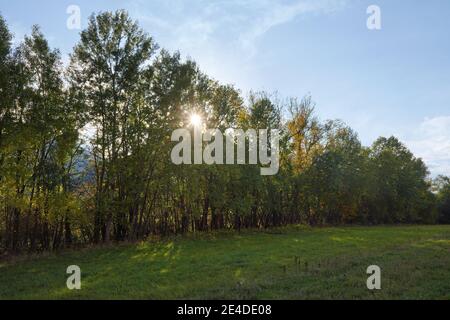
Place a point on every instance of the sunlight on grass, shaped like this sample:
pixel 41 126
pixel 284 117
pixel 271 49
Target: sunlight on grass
pixel 292 263
pixel 347 239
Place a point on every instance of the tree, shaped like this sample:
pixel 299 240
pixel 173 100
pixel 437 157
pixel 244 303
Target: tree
pixel 38 137
pixel 400 180
pixel 442 187
pixel 86 158
pixel 336 175
pixel 6 103
pixel 106 68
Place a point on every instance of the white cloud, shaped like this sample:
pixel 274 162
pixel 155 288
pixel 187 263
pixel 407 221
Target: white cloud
pixel 196 23
pixel 222 36
pixel 272 14
pixel 431 142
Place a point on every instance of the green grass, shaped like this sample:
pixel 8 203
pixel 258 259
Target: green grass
pixel 287 263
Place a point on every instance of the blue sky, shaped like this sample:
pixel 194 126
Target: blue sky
pixel 393 81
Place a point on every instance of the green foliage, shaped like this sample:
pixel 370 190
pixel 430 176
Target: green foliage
pixel 85 151
pixel 442 186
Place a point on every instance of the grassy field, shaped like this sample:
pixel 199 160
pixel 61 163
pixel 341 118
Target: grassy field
pixel 287 263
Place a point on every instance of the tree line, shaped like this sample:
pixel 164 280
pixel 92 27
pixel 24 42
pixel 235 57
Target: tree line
pixel 85 150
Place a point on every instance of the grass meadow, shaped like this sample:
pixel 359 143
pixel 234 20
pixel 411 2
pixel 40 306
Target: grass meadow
pixel 286 263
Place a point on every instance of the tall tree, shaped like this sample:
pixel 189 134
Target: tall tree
pixel 106 67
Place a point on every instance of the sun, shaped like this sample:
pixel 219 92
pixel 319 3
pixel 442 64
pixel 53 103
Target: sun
pixel 195 120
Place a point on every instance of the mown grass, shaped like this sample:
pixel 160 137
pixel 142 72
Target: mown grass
pixel 287 263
